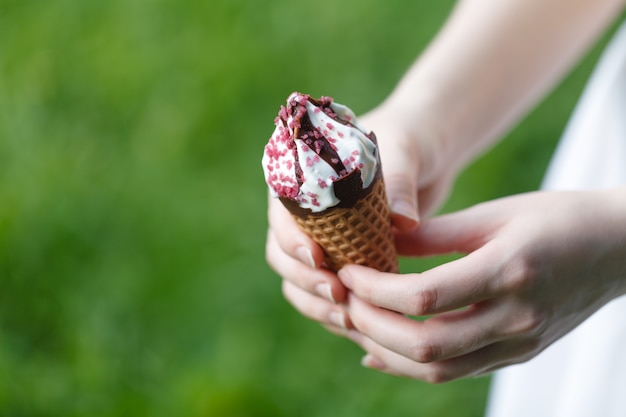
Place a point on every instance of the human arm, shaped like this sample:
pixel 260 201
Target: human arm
pixel 490 63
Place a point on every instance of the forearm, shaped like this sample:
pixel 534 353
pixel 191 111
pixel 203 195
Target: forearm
pixel 492 61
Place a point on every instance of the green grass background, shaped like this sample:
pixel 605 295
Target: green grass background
pixel 132 204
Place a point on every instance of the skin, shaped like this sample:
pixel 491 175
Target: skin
pixel 536 265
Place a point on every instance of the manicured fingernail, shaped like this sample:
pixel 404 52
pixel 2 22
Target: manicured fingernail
pixel 338 319
pixel 325 291
pixel 371 361
pixel 345 278
pixel 304 254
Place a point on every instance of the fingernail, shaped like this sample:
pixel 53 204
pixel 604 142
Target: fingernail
pixel 338 319
pixel 409 218
pixel 371 361
pixel 325 291
pixel 345 277
pixel 304 254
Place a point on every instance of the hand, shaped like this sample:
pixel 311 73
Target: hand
pixel 315 291
pixel 537 266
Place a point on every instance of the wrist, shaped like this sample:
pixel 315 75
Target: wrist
pixel 426 132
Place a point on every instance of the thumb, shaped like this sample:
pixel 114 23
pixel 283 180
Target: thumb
pixel 399 162
pixel 402 196
pixel 459 232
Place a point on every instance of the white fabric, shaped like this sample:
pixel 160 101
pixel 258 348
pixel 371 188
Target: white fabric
pixel 584 373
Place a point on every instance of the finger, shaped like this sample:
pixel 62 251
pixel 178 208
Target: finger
pixel 293 241
pixel 432 196
pixel 336 330
pixel 321 282
pixel 400 187
pixel 402 201
pixel 446 287
pixel 316 308
pixel 460 232
pixel 448 335
pixel 480 362
pixel 435 339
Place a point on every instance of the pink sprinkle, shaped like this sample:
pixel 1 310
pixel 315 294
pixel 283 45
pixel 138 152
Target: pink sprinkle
pixel 355 152
pixel 309 162
pixel 340 134
pixel 322 184
pixel 329 126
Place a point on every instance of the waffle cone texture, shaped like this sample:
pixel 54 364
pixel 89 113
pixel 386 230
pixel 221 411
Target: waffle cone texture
pixel 357 235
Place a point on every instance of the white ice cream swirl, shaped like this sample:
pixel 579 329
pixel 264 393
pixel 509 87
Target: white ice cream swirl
pixel 316 145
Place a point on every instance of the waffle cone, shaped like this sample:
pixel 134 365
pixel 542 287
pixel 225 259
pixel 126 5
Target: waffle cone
pixel 357 235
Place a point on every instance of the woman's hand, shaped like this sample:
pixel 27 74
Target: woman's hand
pixel 537 266
pixel 317 292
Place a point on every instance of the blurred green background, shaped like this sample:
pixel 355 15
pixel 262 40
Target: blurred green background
pixel 132 204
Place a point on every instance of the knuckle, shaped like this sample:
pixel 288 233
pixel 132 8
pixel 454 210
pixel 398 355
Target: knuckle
pixel 425 352
pixel 438 374
pixel 530 322
pixel 523 273
pixel 424 301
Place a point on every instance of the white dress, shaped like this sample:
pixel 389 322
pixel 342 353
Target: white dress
pixel 584 373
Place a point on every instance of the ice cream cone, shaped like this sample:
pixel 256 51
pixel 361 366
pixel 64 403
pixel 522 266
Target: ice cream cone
pixel 325 168
pixel 357 235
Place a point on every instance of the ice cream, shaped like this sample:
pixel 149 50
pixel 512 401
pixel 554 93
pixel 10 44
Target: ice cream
pixel 319 156
pixel 322 164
